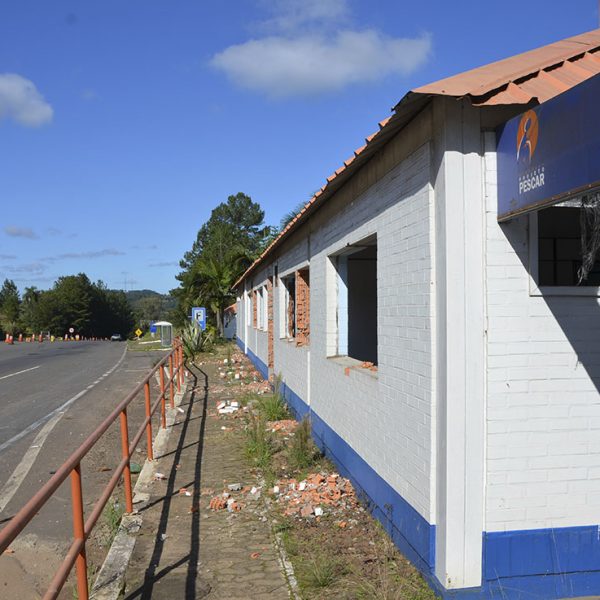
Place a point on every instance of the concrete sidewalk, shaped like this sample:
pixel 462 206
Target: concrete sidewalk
pixel 184 549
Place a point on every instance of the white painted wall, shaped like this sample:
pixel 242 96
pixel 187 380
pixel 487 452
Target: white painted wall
pixel 290 361
pixel 543 407
pixel 384 417
pixel 257 339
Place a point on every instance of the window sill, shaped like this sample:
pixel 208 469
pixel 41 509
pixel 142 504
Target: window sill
pixel 295 342
pixel 352 364
pixel 567 290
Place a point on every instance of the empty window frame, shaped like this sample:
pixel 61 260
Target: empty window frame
pixel 559 247
pixel 356 272
pixel 248 308
pixel 288 308
pixel 303 307
pixel 265 307
pixel 259 308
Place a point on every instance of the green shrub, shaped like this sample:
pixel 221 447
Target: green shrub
pixel 195 340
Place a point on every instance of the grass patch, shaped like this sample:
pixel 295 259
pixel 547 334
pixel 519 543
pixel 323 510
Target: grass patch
pixel 387 584
pixel 319 571
pixel 302 452
pixel 272 407
pixel 259 446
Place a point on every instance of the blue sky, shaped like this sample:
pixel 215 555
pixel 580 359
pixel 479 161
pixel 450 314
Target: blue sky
pixel 123 123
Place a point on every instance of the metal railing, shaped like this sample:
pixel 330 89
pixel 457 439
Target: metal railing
pixel 82 527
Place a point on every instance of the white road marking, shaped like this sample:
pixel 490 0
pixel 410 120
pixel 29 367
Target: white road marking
pixel 19 372
pixel 18 475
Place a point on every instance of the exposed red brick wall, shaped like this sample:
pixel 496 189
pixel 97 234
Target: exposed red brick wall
pixel 270 322
pixel 302 307
pixel 291 316
pixel 255 309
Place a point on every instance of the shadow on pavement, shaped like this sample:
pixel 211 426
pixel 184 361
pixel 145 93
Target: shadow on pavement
pixel 155 572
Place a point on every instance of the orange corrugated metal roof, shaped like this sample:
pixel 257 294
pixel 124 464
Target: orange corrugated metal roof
pixel 528 78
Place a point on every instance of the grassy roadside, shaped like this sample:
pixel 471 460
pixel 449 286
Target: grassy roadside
pixel 146 343
pixel 338 550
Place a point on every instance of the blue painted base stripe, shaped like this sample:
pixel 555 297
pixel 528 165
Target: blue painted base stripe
pixel 410 531
pixel 544 564
pixel 296 405
pixel 261 367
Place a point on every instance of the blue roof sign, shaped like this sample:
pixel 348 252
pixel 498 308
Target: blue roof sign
pixel 550 152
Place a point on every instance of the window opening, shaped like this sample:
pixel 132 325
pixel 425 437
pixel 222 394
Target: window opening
pixel 567 233
pixel 289 312
pixel 265 304
pixel 357 302
pixel 302 307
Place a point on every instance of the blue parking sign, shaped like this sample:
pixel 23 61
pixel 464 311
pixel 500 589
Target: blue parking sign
pixel 199 316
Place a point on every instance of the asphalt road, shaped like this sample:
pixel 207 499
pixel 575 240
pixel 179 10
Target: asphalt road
pixel 52 396
pixel 36 379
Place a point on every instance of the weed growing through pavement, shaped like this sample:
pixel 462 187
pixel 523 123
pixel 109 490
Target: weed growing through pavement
pixel 302 452
pixel 284 530
pixel 113 513
pixel 259 445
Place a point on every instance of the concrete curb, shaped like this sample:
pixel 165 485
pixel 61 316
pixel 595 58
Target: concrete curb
pixel 287 568
pixel 110 583
pixel 282 556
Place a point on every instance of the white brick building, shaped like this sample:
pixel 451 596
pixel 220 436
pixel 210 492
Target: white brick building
pixel 455 387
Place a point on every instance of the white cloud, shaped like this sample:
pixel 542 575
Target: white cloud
pixel 286 66
pixel 21 101
pixel 89 254
pixel 22 232
pixel 34 268
pixel 291 14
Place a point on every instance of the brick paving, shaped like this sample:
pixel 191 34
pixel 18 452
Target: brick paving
pixel 186 550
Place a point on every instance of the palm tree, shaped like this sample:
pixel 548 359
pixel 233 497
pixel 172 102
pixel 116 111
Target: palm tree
pixel 216 278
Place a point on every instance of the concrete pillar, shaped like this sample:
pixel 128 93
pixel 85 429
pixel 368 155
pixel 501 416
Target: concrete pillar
pixel 460 331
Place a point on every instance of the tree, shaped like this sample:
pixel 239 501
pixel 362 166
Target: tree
pixel 89 308
pixel 225 246
pixel 29 320
pixel 289 216
pixel 9 306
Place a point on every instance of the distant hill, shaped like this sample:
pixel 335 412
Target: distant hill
pixel 149 305
pixel 134 296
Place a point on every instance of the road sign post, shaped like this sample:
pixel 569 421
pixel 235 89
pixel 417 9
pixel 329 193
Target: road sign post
pixel 199 317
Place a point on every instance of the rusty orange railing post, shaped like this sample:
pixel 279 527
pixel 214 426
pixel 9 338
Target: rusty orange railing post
pixel 163 400
pixel 178 364
pixel 79 532
pixel 149 425
pixel 171 384
pixel 181 364
pixel 127 470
